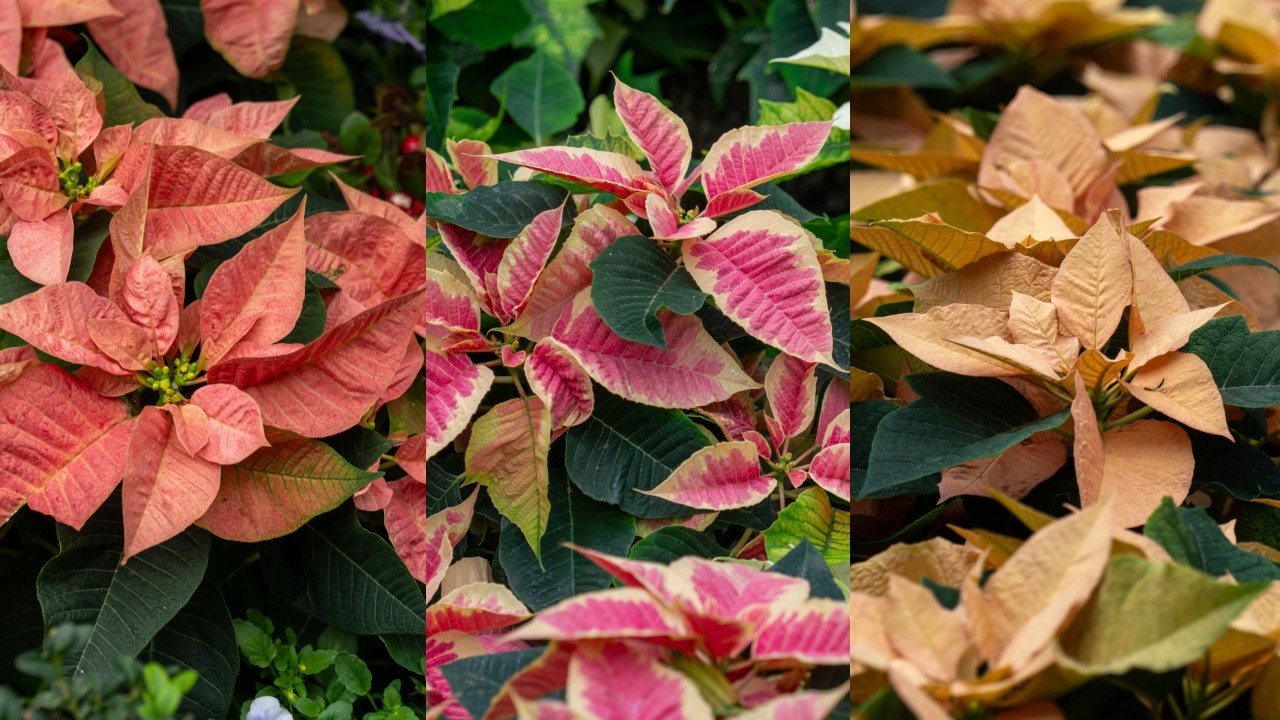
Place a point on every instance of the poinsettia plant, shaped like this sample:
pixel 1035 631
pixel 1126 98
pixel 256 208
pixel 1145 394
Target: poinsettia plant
pixel 635 347
pixel 200 367
pixel 1064 295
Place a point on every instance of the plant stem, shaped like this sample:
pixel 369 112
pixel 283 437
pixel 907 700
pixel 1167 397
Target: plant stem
pixel 742 542
pixel 1131 417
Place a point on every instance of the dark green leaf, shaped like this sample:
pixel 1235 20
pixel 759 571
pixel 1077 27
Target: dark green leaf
pixel 311 320
pixel 186 24
pixel 221 252
pixel 1245 365
pixel 320 76
pixel 541 96
pixel 126 604
pixel 1238 467
pixel 632 280
pixel 21 625
pixel 775 198
pixel 475 681
pixel 443 487
pixel 805 562
pixel 88 239
pixel 900 65
pixel 487 24
pixel 865 416
pixel 575 518
pixel 1194 539
pixel 345 576
pixel 671 543
pixel 360 446
pixel 624 447
pixel 442 88
pixel 1213 262
pixel 1256 522
pixel 956 419
pixel 13 284
pixel 201 638
pixel 500 211
pixel 123 104
pixel 838 306
pixel 407 650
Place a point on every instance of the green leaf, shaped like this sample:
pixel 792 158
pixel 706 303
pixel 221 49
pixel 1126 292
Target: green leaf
pixel 441 89
pixel 1260 523
pixel 618 144
pixel 13 284
pixel 884 705
pixel 475 681
pixel 440 8
pixel 865 417
pixel 123 104
pixel 346 576
pixel 775 198
pixel 671 543
pixel 811 518
pixel 313 661
pixel 575 518
pixel 838 304
pixel 320 76
pixel 201 638
pixel 360 446
pixel 804 561
pixel 221 252
pixel 406 650
pixel 486 24
pixel 88 239
pixel 1195 540
pixel 1241 469
pixel 443 487
pixel 624 447
pixel 340 710
pixel 87 584
pixel 353 673
pixel 1245 365
pixel 807 107
pixel 499 211
pixel 408 413
pixel 21 625
pixel 956 419
pixel 542 97
pixel 633 279
pixel 564 29
pixel 1213 262
pixel 186 24
pixel 254 643
pixel 900 65
pixel 1151 616
pixel 311 320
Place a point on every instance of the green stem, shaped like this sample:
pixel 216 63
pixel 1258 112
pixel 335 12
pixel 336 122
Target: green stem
pixel 1131 417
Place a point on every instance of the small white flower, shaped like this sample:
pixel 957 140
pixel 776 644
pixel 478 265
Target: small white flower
pixel 267 708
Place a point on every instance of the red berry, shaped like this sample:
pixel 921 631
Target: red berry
pixel 411 143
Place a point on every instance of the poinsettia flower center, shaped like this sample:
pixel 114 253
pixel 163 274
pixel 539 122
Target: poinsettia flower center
pixel 73 183
pixel 168 379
